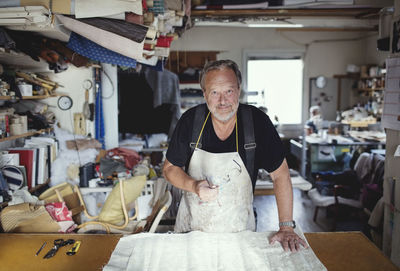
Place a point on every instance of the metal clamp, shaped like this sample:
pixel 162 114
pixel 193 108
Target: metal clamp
pixel 250 146
pixel 193 145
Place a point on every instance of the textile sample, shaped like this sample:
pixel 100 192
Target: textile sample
pixel 196 250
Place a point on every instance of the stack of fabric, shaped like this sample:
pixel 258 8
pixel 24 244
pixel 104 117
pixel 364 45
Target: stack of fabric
pixel 120 32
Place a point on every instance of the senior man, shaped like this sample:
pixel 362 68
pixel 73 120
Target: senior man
pixel 214 156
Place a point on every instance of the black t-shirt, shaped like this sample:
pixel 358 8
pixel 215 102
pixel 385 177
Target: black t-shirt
pixel 269 152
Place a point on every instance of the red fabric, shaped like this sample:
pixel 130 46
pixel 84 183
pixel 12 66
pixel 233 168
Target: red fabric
pixel 131 17
pixel 129 157
pixel 144 5
pixel 59 211
pixel 164 41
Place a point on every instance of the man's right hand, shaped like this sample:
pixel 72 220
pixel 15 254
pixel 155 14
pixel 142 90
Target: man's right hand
pixel 205 192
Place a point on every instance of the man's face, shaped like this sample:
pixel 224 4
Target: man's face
pixel 221 93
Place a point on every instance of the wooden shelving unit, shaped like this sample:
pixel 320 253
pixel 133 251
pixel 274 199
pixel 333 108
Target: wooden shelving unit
pixel 24 135
pixel 369 89
pixel 36 97
pixel 357 77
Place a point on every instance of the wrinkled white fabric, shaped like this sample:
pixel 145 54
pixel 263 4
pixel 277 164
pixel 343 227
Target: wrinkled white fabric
pixel 200 251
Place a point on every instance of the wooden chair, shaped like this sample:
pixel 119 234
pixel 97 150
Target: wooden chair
pixel 131 224
pixel 364 170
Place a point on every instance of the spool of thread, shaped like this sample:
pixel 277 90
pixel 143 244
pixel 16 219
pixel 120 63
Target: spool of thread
pixel 24 122
pixel 15 119
pixel 16 129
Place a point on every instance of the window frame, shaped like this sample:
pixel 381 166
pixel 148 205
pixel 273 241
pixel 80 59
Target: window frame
pixel 287 129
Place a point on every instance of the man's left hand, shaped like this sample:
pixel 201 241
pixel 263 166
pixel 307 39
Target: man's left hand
pixel 288 239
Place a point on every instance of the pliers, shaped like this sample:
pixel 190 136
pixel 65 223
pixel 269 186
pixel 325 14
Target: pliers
pixel 57 244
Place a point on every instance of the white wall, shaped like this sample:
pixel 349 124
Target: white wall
pixel 371 54
pixel 327 53
pixel 72 80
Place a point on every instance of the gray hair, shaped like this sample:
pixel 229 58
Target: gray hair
pixel 220 65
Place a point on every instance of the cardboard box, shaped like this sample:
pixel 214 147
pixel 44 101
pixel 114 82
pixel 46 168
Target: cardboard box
pixel 58 6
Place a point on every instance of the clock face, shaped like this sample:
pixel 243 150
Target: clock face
pixel 64 102
pixel 320 82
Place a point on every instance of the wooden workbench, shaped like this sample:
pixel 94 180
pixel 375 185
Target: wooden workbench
pixel 17 252
pixel 336 250
pixel 351 251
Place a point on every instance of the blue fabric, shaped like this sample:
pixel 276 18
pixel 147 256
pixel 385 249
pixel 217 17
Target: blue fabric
pixel 92 50
pixel 99 119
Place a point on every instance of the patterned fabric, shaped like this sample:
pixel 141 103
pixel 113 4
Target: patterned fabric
pixel 132 31
pixel 13 176
pixel 92 50
pixel 158 7
pixel 106 39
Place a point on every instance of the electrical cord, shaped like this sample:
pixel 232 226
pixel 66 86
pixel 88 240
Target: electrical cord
pixel 111 82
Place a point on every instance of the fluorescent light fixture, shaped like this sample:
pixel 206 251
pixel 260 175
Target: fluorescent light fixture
pixel 276 25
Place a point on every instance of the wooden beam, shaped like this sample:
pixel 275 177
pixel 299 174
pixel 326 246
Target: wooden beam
pixel 359 13
pixel 328 29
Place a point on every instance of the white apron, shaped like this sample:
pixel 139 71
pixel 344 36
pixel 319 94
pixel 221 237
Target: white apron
pixel 232 211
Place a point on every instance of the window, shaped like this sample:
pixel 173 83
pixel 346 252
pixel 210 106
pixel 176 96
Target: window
pixel 276 83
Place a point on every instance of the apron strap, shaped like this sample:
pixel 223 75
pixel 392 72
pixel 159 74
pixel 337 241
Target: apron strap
pixel 249 140
pixel 197 126
pixel 248 128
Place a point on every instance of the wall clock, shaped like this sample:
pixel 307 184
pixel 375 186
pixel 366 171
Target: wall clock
pixel 320 81
pixel 64 102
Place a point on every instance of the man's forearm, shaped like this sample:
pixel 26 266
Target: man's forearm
pixel 284 198
pixel 283 192
pixel 178 177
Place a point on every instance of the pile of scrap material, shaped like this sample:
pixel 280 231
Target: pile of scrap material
pixel 123 33
pixel 34 16
pixel 44 86
pixel 373 136
pixel 54 52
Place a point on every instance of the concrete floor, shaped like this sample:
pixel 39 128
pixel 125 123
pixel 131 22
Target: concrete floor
pixel 303 212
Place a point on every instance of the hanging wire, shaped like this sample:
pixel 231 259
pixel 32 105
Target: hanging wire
pixel 111 82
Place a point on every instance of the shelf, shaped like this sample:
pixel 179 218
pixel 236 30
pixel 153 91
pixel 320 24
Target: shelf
pixel 350 76
pixel 286 12
pixel 357 76
pixel 24 135
pixel 372 77
pixel 36 97
pixel 87 190
pixel 369 89
pixel 149 150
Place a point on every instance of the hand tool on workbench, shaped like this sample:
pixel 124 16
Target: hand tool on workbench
pixel 74 248
pixel 57 244
pixel 40 249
